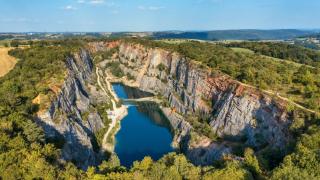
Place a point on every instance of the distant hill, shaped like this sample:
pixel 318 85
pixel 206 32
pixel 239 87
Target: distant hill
pixel 315 35
pixel 234 34
pixel 244 34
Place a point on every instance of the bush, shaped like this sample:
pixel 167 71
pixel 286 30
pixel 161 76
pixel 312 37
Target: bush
pixel 14 43
pixel 252 162
pixel 115 69
pixel 25 152
pixel 161 67
pixel 254 69
pixel 130 77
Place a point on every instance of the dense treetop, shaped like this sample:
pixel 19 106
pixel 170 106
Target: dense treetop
pixel 25 153
pixel 298 82
pixel 282 51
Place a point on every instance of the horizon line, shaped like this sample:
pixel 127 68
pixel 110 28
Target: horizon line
pixel 260 29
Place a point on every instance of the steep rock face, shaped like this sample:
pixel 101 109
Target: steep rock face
pixel 180 126
pixel 64 121
pixel 258 119
pixel 200 151
pixel 237 111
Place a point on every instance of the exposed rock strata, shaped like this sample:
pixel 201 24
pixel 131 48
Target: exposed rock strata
pixel 65 122
pixel 237 112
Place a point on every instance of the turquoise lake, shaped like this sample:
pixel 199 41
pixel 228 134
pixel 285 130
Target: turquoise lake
pixel 145 131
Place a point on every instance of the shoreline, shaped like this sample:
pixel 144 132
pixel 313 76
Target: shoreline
pixel 116 115
pixel 171 116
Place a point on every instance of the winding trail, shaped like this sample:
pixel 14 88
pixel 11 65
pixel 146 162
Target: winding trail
pixel 153 99
pixel 115 115
pixel 281 97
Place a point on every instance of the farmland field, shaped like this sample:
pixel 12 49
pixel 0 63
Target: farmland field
pixel 6 62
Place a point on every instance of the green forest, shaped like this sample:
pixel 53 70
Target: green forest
pixel 25 153
pixel 282 51
pixel 298 82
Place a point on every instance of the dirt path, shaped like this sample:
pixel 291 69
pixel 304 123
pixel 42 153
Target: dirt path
pixel 152 99
pixel 282 98
pixel 115 115
pixel 7 62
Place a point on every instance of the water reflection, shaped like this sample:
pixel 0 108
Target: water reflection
pixel 145 131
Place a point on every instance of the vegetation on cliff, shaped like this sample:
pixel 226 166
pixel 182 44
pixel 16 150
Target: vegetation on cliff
pixel 266 73
pixel 25 153
pixel 299 83
pixel 115 69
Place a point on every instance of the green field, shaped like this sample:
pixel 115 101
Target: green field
pixel 242 50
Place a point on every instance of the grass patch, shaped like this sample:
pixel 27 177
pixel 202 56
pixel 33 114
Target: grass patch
pixel 242 50
pixel 115 69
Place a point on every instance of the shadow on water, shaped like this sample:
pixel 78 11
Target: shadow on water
pixel 126 92
pixel 145 131
pixel 152 110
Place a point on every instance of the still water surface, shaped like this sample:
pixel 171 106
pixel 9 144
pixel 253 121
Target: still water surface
pixel 144 131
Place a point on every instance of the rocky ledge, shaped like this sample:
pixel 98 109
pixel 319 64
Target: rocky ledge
pixel 72 120
pixel 236 112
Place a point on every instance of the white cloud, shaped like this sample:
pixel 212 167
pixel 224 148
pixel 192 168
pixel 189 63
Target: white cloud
pixel 96 1
pixel 69 7
pixel 155 8
pixel 210 1
pixel 150 8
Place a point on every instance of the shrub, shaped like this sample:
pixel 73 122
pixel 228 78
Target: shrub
pixel 161 67
pixel 115 69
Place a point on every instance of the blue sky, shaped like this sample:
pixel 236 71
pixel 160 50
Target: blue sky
pixel 156 15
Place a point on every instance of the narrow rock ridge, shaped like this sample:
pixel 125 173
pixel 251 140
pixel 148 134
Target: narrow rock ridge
pixel 116 114
pixel 65 121
pixel 237 112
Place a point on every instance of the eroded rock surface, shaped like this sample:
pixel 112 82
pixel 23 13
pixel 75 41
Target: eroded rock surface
pixel 71 119
pixel 236 111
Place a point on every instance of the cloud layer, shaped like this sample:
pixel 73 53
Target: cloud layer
pixel 150 8
pixel 69 8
